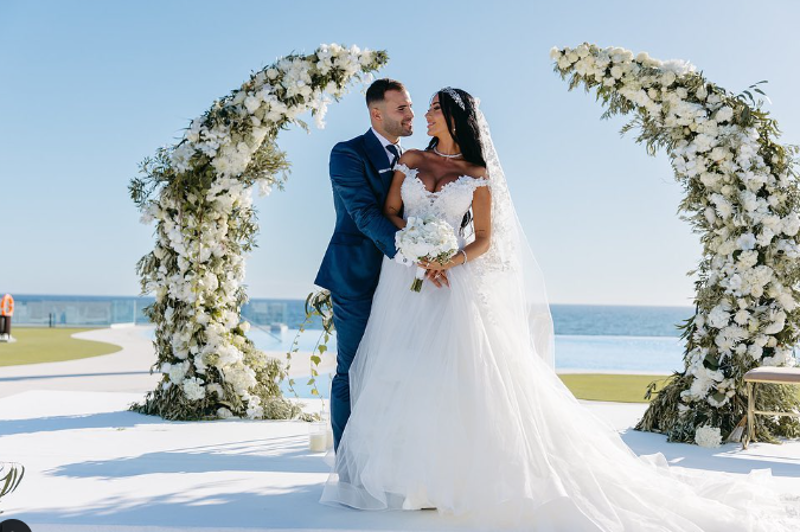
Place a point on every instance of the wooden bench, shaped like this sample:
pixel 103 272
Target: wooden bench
pixel 772 375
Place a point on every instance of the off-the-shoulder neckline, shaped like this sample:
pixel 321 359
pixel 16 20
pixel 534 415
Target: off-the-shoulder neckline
pixel 413 173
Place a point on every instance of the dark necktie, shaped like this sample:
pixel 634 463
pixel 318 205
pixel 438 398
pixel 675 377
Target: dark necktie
pixel 395 154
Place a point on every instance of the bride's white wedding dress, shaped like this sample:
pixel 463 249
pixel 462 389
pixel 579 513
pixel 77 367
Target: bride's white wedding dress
pixel 452 409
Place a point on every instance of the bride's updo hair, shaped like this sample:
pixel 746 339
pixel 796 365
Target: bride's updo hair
pixel 463 123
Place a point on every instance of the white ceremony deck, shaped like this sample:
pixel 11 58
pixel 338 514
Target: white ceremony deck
pixel 94 466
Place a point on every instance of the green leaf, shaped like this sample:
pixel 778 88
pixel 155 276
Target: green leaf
pixel 710 362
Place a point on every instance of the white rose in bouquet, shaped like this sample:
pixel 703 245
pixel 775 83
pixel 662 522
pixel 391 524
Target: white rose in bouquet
pixel 429 239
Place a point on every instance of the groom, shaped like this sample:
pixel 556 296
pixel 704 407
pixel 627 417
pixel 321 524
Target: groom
pixel 361 171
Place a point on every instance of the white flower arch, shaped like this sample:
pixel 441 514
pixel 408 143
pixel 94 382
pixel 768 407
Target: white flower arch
pixel 199 193
pixel 742 198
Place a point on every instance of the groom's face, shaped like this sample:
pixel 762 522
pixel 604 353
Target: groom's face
pixel 397 115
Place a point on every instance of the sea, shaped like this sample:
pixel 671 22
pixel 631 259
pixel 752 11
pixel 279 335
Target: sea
pixel 602 338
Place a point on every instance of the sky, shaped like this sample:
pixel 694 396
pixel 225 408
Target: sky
pixel 89 89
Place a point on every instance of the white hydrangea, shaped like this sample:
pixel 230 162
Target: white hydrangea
pixel 719 316
pixel 193 389
pixel 708 436
pixel 177 371
pixel 254 408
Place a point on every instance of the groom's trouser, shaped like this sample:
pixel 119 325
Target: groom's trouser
pixel 350 319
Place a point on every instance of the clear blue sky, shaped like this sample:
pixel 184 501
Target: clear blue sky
pixel 88 89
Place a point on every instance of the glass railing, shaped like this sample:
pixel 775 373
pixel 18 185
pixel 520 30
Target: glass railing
pixel 102 311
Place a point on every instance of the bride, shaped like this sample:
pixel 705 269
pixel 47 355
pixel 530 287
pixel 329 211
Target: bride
pixel 455 401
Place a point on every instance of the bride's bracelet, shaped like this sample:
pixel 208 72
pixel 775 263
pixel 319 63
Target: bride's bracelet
pixel 465 256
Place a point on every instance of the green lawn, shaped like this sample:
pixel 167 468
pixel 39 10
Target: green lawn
pixel 618 388
pixel 35 345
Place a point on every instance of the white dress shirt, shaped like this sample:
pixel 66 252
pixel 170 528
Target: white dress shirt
pixel 399 257
pixel 385 142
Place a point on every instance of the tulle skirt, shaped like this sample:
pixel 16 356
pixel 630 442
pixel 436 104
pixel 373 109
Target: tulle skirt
pixel 451 409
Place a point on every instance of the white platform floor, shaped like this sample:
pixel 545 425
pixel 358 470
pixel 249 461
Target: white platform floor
pixel 94 466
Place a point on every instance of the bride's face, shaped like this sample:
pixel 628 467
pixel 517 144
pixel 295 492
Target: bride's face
pixel 437 126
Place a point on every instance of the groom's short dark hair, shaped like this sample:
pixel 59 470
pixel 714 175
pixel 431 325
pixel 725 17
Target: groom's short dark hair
pixel 376 91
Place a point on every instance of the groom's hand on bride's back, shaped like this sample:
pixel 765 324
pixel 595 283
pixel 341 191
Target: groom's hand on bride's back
pixel 438 278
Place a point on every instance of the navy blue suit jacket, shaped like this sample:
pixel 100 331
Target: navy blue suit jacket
pixel 361 176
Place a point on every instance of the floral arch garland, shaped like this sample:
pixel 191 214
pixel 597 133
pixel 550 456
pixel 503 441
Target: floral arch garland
pixel 742 199
pixel 199 193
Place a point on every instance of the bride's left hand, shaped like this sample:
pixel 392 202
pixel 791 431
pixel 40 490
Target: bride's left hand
pixel 433 265
pixel 438 278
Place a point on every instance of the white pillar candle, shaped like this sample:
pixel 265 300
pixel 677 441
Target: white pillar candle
pixel 318 442
pixel 329 433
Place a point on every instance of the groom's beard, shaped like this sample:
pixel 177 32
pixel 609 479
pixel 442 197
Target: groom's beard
pixel 399 129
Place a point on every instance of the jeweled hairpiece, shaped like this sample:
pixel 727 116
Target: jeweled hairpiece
pixel 450 91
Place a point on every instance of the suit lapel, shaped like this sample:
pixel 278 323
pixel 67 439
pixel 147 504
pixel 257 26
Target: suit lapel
pixel 375 152
pixel 380 161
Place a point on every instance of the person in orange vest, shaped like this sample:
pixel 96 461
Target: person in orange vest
pixel 6 311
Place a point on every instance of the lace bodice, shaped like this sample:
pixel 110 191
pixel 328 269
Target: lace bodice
pixel 450 203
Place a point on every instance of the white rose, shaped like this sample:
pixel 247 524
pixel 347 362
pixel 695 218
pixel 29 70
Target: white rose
pixel 703 142
pixel 718 154
pixel 777 325
pixel 668 78
pixel 742 317
pixel 746 241
pixel 724 114
pixel 747 260
pixel 755 351
pixel 791 224
pixel 252 103
pixel 765 237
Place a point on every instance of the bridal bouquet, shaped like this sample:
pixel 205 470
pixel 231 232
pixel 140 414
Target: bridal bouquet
pixel 429 239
